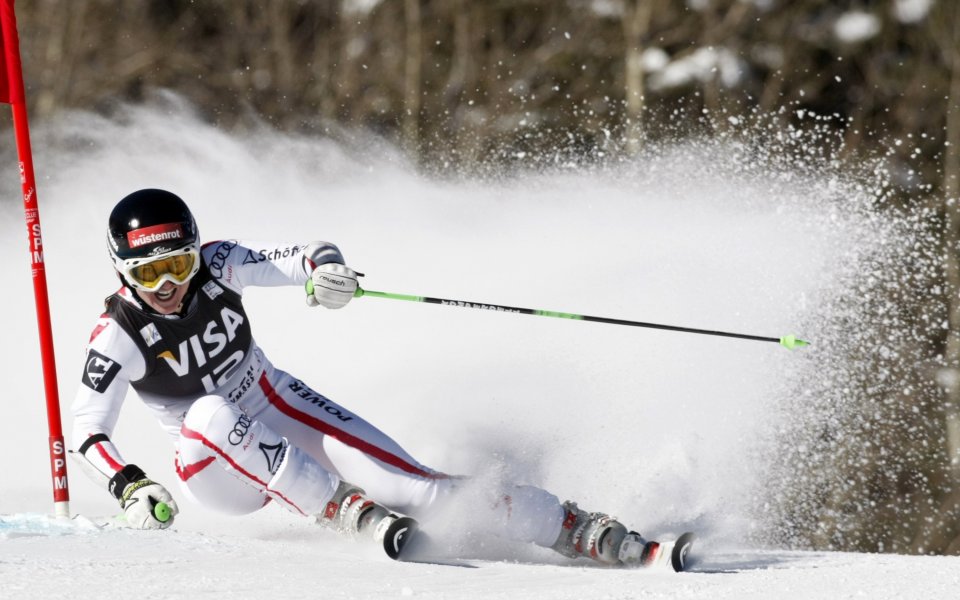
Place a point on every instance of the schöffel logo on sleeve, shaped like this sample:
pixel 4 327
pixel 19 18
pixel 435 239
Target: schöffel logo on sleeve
pixel 155 234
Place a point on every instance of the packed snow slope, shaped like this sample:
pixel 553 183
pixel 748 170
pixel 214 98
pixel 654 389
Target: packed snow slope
pixel 664 430
pixel 277 557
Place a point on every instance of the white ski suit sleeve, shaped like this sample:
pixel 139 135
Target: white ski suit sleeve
pixel 238 264
pixel 112 361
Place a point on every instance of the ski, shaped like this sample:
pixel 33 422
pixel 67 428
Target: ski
pixel 403 541
pixel 681 547
pixel 398 536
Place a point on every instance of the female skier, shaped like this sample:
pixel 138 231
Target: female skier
pixel 246 432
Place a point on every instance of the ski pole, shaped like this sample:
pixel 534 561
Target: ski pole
pixel 787 341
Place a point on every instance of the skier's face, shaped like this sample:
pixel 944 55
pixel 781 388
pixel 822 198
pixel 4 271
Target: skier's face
pixel 166 300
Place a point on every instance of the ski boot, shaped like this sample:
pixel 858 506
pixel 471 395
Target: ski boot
pixel 351 512
pixel 602 538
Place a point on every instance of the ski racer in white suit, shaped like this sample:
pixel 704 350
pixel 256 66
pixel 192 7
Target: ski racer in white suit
pixel 245 432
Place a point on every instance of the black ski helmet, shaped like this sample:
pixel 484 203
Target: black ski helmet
pixel 150 224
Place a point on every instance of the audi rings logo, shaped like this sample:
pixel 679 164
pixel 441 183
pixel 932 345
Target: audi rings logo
pixel 240 429
pixel 219 258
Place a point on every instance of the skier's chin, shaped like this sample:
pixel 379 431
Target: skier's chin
pixel 167 299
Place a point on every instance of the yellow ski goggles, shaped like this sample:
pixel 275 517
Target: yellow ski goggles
pixel 148 275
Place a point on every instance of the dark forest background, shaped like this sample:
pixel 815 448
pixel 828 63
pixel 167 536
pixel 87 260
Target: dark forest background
pixel 460 85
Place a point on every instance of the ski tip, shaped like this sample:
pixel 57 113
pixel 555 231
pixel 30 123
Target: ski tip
pixel 678 557
pixel 398 535
pixel 791 341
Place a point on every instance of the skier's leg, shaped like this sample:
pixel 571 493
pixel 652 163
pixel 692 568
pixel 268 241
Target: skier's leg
pixel 357 451
pixel 521 513
pixel 204 482
pixel 530 514
pixel 235 464
pixel 348 445
pixel 217 439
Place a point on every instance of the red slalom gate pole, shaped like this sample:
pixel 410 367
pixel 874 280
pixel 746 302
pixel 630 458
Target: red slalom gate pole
pixel 12 92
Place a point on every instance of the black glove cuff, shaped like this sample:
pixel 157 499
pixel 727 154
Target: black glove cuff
pixel 124 477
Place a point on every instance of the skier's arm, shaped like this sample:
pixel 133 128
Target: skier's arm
pixel 239 264
pixel 112 360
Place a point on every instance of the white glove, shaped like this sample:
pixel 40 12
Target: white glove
pixel 146 504
pixel 331 285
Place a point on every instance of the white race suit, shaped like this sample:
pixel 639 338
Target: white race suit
pixel 245 432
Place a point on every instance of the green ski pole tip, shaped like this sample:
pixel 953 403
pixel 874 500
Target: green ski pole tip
pixel 162 512
pixel 791 341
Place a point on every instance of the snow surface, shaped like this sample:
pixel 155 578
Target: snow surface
pixel 656 427
pixel 280 558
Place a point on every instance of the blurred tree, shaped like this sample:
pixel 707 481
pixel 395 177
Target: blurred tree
pixel 636 27
pixel 413 51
